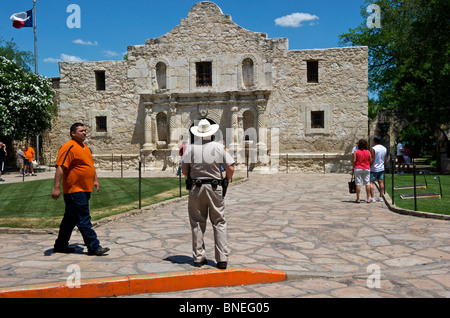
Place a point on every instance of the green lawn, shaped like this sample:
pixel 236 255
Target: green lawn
pixel 29 205
pixel 433 205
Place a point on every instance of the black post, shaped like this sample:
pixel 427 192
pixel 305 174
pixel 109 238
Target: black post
pixel 415 189
pixel 323 163
pixel 440 186
pixel 112 162
pixel 140 165
pixel 425 177
pixel 287 163
pixel 248 154
pixel 393 174
pixel 179 177
pixel 121 166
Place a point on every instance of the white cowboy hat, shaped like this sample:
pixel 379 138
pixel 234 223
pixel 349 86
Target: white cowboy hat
pixel 204 128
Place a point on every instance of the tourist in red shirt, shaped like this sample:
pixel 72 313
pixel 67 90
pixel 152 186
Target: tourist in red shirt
pixel 361 167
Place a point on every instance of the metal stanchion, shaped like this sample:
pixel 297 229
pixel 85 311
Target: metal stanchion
pixel 324 168
pixel 179 177
pixel 140 194
pixel 393 173
pixel 415 189
pixel 440 186
pixel 287 163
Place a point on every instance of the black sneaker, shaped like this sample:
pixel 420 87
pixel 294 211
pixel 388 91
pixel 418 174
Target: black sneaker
pixel 65 250
pixel 99 252
pixel 200 264
pixel 222 265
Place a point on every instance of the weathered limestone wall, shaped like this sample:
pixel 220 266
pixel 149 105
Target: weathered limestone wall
pixel 341 93
pixel 146 109
pixel 81 101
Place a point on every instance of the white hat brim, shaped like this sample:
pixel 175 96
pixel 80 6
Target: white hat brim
pixel 212 131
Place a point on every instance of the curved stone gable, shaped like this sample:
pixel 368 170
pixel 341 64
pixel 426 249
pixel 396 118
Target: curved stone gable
pixel 204 10
pixel 207 30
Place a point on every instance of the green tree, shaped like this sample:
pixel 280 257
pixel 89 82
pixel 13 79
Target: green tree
pixel 10 51
pixel 26 105
pixel 409 57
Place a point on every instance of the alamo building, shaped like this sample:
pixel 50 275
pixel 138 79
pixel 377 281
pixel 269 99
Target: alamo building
pixel 272 104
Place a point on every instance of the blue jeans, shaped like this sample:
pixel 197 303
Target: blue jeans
pixel 77 214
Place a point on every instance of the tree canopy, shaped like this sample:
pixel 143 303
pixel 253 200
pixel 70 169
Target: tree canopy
pixel 26 105
pixel 10 51
pixel 409 57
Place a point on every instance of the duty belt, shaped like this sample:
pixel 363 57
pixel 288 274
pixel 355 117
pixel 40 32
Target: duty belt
pixel 199 182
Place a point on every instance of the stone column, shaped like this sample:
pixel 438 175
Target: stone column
pixel 260 123
pixel 148 128
pixel 172 125
pixel 261 130
pixel 234 124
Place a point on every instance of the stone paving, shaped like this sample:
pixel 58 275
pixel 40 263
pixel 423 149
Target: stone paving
pixel 304 224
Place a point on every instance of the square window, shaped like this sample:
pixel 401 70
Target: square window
pixel 318 119
pixel 312 71
pixel 204 74
pixel 101 124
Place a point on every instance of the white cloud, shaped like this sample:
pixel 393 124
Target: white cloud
pixel 51 60
pixel 109 53
pixel 64 58
pixel 80 41
pixel 296 19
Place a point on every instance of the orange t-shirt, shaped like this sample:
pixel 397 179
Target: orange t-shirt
pixel 29 154
pixel 79 175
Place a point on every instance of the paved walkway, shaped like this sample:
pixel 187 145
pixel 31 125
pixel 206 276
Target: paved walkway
pixel 303 224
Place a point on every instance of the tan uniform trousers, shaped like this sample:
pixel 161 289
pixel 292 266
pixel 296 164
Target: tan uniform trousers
pixel 204 201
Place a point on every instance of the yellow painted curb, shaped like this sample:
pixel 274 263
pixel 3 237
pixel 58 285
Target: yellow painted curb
pixel 151 283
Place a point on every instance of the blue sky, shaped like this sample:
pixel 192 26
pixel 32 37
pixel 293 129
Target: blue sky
pixel 108 27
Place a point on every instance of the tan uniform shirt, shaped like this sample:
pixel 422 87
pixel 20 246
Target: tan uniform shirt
pixel 204 161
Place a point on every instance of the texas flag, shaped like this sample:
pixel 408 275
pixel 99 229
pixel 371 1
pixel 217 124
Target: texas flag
pixel 22 19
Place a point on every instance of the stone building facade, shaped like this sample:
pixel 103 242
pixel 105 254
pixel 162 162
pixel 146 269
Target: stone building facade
pixel 272 103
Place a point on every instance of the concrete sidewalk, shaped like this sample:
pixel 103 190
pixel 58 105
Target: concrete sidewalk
pixel 305 225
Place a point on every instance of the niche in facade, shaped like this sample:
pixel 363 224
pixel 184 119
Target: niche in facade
pixel 248 72
pixel 161 75
pixel 162 129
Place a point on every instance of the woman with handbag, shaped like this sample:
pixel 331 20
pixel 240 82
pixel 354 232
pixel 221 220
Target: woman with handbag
pixel 361 168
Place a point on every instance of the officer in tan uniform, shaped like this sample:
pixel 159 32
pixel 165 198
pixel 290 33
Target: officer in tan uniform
pixel 201 164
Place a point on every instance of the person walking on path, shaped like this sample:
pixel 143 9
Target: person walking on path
pixel 379 156
pixel 400 158
pixel 361 166
pixel 201 164
pixel 30 154
pixel 75 167
pixel 20 160
pixel 3 155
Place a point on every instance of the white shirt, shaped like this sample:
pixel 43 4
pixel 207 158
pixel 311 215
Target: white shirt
pixel 378 161
pixel 399 147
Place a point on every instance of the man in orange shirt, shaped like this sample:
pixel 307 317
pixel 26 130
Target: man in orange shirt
pixel 30 154
pixel 75 167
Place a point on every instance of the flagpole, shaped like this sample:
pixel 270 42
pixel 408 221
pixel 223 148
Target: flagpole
pixel 35 67
pixel 35 37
